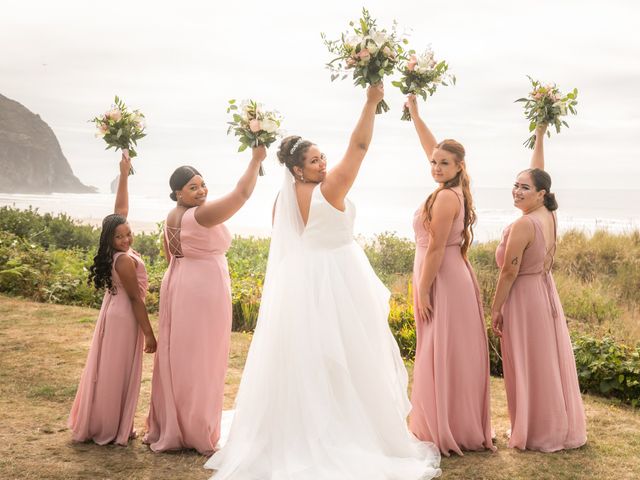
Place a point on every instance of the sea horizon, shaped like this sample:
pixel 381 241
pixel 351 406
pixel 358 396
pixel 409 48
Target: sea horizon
pixel 379 209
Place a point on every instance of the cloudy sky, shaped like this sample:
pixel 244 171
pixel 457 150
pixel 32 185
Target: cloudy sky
pixel 181 61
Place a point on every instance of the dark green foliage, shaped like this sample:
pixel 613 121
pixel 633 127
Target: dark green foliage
pixel 608 368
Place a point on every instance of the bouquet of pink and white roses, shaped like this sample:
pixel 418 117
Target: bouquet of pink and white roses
pixel 545 105
pixel 121 128
pixel 421 75
pixel 369 52
pixel 254 125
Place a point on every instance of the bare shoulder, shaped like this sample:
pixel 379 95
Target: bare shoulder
pixel 523 227
pixel 174 217
pixel 124 263
pixel 447 200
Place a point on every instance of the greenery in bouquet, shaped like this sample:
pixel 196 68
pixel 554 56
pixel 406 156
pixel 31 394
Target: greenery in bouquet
pixel 121 128
pixel 421 75
pixel 544 105
pixel 253 125
pixel 367 52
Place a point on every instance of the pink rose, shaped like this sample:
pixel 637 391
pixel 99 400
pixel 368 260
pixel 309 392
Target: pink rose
pixel 364 54
pixel 254 125
pixel 412 63
pixel 351 62
pixel 115 115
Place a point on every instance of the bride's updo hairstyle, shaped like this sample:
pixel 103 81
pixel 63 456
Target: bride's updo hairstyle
pixel 542 181
pixel 179 178
pixel 292 150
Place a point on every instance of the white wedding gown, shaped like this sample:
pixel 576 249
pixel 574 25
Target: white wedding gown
pixel 323 394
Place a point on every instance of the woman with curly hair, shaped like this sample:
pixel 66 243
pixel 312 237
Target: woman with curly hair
pixel 450 397
pixel 107 396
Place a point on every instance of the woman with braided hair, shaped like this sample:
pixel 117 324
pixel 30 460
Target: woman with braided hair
pixel 450 396
pixel 107 396
pixel 540 375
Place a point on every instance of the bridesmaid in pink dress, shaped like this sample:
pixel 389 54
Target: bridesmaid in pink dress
pixel 450 397
pixel 105 403
pixel 187 390
pixel 540 375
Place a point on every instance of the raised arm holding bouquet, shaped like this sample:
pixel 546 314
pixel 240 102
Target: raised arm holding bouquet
pixel 421 75
pixel 370 52
pixel 544 105
pixel 254 125
pixel 121 128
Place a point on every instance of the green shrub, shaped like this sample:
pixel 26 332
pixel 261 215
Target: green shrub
pixel 608 368
pixel 390 256
pixel 60 231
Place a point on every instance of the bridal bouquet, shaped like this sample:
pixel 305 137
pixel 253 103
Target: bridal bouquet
pixel 545 105
pixel 121 128
pixel 369 52
pixel 421 75
pixel 254 125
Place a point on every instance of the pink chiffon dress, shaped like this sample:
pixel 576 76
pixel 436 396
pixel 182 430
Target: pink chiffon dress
pixel 450 396
pixel 543 394
pixel 187 390
pixel 107 396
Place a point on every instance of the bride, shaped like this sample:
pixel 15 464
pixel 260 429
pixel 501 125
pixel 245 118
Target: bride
pixel 323 393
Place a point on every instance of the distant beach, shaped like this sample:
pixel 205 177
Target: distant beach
pixel 378 210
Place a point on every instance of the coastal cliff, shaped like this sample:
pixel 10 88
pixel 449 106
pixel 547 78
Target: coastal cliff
pixel 31 160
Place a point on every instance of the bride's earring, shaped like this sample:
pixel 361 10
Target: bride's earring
pixel 302 178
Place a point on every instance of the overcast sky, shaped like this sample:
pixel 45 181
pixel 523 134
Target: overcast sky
pixel 179 62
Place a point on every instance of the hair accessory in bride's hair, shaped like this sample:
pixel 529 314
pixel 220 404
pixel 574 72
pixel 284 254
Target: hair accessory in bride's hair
pixel 295 146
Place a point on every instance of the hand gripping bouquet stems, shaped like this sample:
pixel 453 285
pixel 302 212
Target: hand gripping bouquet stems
pixel 369 52
pixel 421 75
pixel 121 128
pixel 254 125
pixel 544 105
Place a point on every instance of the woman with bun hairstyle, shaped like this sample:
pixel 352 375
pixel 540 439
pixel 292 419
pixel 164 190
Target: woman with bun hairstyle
pixel 195 313
pixel 540 376
pixel 450 396
pixel 105 404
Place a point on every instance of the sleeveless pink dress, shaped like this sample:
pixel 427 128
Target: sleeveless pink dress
pixel 107 395
pixel 450 396
pixel 190 364
pixel 540 375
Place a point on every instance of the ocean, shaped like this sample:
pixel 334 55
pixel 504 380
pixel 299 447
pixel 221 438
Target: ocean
pixel 379 209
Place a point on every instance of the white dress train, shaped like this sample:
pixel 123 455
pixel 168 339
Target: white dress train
pixel 323 394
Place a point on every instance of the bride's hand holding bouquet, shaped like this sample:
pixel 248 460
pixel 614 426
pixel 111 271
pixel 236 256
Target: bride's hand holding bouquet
pixel 121 128
pixel 369 53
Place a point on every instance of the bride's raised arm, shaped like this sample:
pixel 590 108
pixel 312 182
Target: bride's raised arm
pixel 427 139
pixel 341 177
pixel 537 158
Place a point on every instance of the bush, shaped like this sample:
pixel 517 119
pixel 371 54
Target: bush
pixel 48 231
pixel 391 257
pixel 608 368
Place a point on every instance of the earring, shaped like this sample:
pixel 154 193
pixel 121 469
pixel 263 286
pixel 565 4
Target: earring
pixel 302 178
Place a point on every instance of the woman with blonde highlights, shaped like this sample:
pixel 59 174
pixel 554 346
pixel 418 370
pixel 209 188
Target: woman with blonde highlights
pixel 450 397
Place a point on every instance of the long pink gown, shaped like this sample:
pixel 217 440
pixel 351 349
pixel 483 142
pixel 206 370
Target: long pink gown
pixel 543 394
pixel 107 396
pixel 190 364
pixel 450 396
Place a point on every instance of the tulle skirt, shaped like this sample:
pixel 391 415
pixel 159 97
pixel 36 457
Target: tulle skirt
pixel 324 389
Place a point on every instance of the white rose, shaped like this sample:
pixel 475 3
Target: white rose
pixel 269 125
pixel 380 38
pixel 372 47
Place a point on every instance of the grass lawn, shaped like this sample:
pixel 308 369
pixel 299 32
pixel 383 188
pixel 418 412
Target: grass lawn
pixel 42 351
